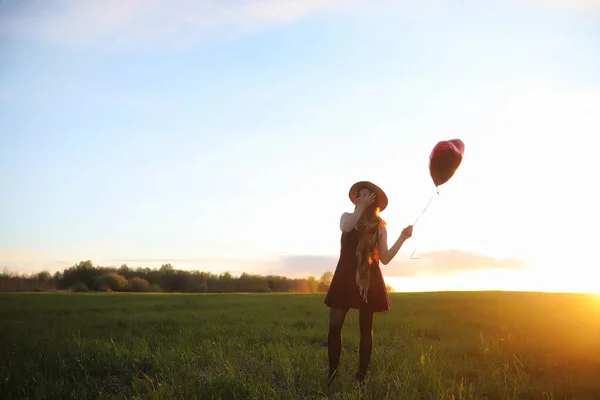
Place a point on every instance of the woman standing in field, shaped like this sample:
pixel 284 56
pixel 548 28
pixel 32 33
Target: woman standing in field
pixel 357 282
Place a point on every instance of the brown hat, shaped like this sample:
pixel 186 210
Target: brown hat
pixel 381 199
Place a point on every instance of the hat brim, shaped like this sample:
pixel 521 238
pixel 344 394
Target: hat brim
pixel 382 199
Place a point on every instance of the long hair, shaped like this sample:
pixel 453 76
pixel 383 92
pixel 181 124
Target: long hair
pixel 367 251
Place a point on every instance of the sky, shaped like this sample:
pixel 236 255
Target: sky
pixel 224 136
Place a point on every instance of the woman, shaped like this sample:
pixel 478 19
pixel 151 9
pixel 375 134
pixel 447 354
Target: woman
pixel 357 282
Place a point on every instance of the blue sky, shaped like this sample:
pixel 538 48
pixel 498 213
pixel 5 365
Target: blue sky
pixel 224 136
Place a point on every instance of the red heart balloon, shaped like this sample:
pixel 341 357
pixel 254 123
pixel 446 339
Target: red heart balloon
pixel 444 159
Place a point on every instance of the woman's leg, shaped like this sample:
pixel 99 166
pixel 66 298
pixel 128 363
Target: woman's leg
pixel 334 340
pixel 365 318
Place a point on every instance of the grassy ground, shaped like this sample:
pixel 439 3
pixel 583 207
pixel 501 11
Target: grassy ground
pixel 429 346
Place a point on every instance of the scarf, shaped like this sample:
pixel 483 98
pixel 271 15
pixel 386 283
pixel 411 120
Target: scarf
pixel 367 252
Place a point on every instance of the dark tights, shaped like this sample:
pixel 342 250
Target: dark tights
pixel 334 340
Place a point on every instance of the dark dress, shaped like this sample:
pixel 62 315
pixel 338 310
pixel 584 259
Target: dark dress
pixel 343 292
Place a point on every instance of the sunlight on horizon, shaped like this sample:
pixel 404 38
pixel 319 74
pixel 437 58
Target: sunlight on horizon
pixel 531 279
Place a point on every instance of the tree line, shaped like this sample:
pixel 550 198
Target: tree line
pixel 85 276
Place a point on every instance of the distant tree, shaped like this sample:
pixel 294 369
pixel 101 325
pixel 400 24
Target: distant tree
pixel 44 277
pixel 83 272
pixel 226 283
pixel 155 288
pixel 80 287
pixel 301 286
pixel 313 284
pixel 193 282
pixel 279 283
pixel 111 281
pixel 137 284
pixel 125 271
pixel 252 283
pixel 325 281
pixel 166 268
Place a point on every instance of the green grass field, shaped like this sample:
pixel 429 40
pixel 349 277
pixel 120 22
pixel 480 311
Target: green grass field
pixel 479 345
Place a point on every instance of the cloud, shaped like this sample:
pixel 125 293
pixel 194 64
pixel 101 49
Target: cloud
pixel 22 256
pixel 445 262
pixel 179 24
pixel 569 5
pixel 153 23
pixel 433 263
pixel 75 243
pixel 305 265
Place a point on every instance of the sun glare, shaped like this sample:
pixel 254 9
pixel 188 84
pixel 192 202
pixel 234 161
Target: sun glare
pixel 527 280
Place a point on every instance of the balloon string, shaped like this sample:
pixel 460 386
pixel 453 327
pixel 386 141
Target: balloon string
pixel 426 207
pixel 420 215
